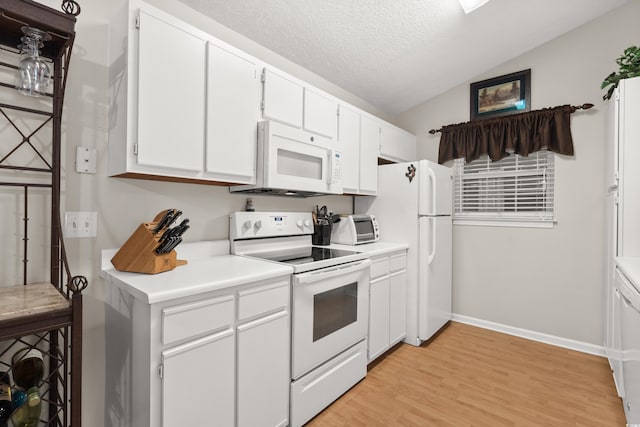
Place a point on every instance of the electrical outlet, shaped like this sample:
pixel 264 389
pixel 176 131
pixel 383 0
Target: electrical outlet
pixel 80 224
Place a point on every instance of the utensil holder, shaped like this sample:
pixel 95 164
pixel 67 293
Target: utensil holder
pixel 321 235
pixel 137 255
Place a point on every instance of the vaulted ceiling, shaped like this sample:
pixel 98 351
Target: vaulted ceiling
pixel 396 54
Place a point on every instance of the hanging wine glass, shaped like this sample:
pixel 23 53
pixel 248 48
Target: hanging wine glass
pixel 34 73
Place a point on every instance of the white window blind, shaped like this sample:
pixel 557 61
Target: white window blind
pixel 515 188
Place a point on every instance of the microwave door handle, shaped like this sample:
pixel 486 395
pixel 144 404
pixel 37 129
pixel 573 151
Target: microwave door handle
pixel 330 177
pixel 327 273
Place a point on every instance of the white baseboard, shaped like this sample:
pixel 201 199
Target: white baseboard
pixel 570 344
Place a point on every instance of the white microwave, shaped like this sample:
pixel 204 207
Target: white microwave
pixel 355 230
pixel 292 162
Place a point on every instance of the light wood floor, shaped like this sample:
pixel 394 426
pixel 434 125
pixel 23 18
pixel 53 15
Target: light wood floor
pixel 469 376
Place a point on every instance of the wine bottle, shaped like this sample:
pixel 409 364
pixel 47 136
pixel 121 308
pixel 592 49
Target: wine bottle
pixel 28 370
pixel 27 415
pixel 18 398
pixel 5 399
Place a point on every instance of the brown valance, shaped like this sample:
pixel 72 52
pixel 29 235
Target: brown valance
pixel 522 134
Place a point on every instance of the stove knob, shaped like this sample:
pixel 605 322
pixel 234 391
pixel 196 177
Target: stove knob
pixel 257 225
pixel 247 225
pixel 299 223
pixel 307 223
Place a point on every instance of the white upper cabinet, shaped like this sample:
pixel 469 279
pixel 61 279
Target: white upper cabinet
pixel 289 101
pixel 282 99
pixel 170 94
pixel 233 110
pixel 369 146
pixel 320 114
pixel 184 105
pixel 349 145
pixel 396 145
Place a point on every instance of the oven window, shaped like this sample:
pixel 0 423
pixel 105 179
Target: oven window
pixel 299 165
pixel 364 228
pixel 334 309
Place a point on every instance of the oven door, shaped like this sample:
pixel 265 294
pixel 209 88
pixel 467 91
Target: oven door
pixel 298 160
pixel 330 310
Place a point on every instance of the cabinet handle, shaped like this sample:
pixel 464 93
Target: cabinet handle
pixel 263 320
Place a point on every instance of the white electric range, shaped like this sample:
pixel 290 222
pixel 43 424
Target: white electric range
pixel 330 299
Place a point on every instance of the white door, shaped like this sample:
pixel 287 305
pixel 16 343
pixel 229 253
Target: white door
pixel 369 149
pixel 436 189
pixel 349 145
pixel 630 317
pixel 330 312
pixel 297 160
pixel 198 382
pixel 233 111
pixel 263 371
pixel 320 114
pixel 611 221
pixel 616 364
pixel 396 144
pixel 378 317
pixel 434 275
pixel 397 306
pixel 282 99
pixel 171 96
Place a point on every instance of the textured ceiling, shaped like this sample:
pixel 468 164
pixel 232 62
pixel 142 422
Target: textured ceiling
pixel 396 54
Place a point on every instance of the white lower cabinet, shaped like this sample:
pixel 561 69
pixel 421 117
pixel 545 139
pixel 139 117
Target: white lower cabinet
pixel 263 372
pixel 387 302
pixel 197 384
pixel 219 358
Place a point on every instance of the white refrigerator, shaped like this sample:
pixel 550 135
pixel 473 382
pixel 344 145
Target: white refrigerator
pixel 413 206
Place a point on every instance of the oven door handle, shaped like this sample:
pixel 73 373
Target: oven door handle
pixel 327 273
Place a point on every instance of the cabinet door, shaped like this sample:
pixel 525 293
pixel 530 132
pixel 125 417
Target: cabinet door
pixel 320 114
pixel 378 317
pixel 397 306
pixel 282 99
pixel 263 371
pixel 233 111
pixel 396 144
pixel 198 382
pixel 349 145
pixel 369 148
pixel 171 90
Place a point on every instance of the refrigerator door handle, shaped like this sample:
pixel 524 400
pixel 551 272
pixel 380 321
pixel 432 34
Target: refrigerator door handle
pixel 432 178
pixel 432 255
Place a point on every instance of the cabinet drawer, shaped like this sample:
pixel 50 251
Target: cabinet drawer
pixel 398 262
pixel 379 267
pixel 196 318
pixel 263 299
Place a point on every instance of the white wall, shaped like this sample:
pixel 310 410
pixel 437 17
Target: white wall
pixel 544 280
pixel 122 204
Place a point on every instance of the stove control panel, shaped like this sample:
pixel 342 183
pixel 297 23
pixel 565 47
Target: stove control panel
pixel 251 225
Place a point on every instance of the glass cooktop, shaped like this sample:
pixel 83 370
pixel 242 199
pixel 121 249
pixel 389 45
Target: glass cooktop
pixel 306 255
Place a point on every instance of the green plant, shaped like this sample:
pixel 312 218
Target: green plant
pixel 629 64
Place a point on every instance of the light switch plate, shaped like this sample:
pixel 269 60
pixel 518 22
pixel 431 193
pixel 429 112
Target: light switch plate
pixel 86 160
pixel 80 224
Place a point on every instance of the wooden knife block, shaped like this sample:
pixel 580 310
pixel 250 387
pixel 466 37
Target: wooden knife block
pixel 137 254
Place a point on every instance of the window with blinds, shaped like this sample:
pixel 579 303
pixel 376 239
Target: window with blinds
pixel 514 189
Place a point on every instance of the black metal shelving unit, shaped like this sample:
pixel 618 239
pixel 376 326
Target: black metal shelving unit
pixel 47 315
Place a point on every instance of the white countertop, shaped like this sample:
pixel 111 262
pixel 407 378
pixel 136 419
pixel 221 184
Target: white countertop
pixel 373 249
pixel 630 266
pixel 201 274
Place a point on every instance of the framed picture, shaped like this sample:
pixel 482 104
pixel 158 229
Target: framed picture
pixel 501 96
